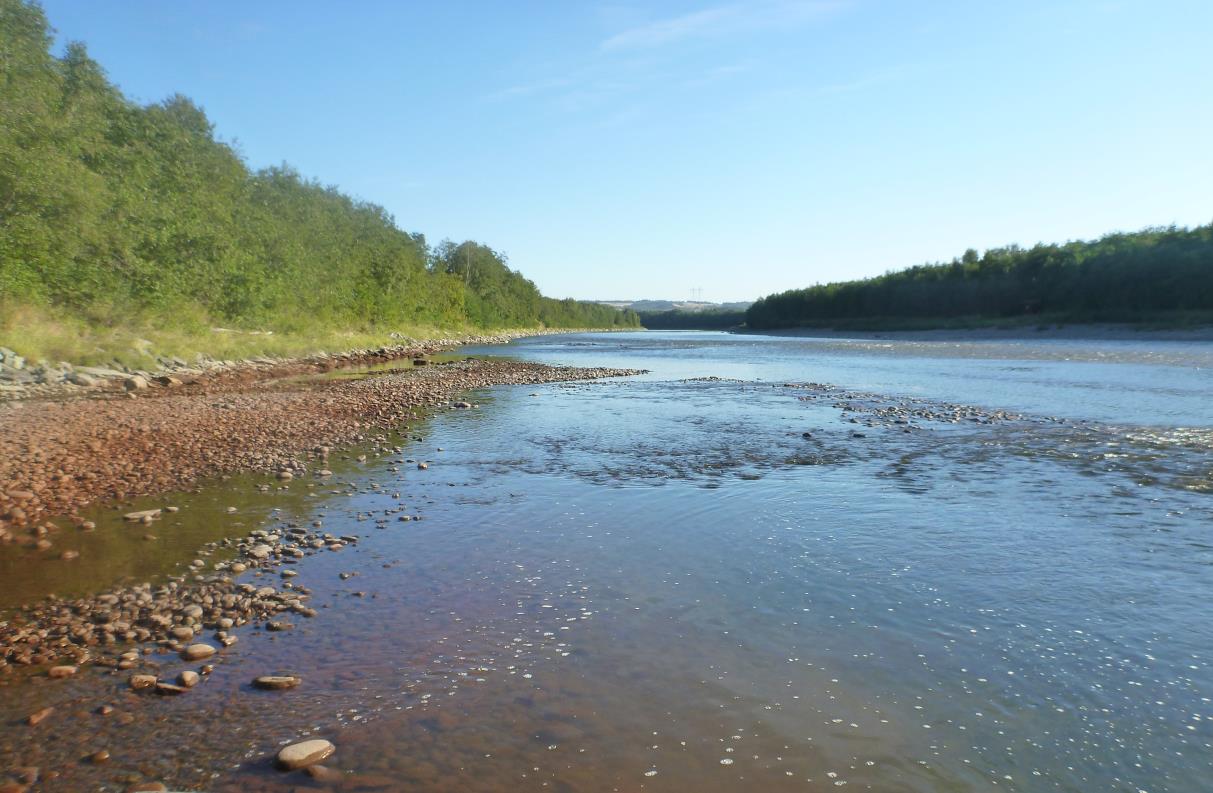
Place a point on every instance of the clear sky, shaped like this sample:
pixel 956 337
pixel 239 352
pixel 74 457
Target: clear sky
pixel 644 149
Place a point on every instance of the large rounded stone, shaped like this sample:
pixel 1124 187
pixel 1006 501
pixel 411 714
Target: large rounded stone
pixel 305 753
pixel 196 652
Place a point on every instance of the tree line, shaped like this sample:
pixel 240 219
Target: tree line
pixel 1119 277
pixel 677 319
pixel 110 209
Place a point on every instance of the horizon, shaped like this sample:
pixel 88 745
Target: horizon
pixel 783 133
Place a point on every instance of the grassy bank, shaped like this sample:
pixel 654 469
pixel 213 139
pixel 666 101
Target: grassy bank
pixel 56 335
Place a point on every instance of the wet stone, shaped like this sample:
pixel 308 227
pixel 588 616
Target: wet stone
pixel 197 652
pixel 35 719
pixel 142 516
pixel 305 753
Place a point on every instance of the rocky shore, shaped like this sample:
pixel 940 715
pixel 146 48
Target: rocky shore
pixel 143 436
pixel 21 378
pixel 58 456
pixel 162 639
pixel 103 629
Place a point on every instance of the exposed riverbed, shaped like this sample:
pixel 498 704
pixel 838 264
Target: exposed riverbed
pixel 776 564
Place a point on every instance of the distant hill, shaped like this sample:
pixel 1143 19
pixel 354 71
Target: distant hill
pixel 683 314
pixel 691 306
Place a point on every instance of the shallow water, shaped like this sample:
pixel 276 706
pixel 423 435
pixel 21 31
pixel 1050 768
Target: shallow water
pixel 660 583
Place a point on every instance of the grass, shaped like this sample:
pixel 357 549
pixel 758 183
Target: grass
pixel 102 338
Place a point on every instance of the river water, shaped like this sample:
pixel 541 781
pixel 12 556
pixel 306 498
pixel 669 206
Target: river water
pixel 771 563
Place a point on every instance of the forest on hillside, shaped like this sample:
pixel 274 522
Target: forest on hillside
pixel 1148 274
pixel 711 319
pixel 113 210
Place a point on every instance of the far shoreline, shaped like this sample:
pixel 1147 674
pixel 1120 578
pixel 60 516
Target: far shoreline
pixel 1075 332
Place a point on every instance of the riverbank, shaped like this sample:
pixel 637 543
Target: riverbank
pixel 130 437
pixel 22 378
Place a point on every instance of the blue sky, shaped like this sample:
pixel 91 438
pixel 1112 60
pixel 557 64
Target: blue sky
pixel 630 150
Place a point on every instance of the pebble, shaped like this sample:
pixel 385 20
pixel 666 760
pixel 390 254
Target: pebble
pixel 35 719
pixel 188 678
pixel 59 672
pixel 276 682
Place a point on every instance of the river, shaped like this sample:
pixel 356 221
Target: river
pixel 771 563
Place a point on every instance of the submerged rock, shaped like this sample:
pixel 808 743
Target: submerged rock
pixel 35 719
pixel 142 516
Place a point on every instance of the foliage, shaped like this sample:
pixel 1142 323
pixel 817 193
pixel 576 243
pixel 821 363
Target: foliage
pixel 692 320
pixel 1119 277
pixel 498 297
pixel 121 214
